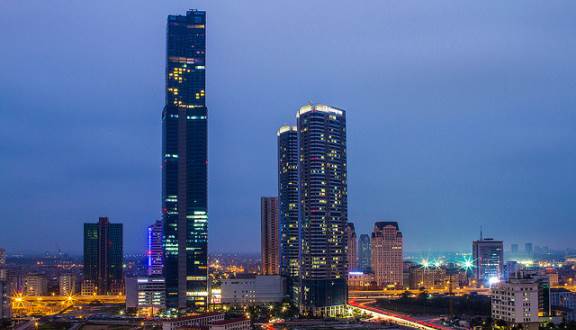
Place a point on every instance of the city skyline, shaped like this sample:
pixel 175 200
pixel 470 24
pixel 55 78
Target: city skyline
pixel 417 176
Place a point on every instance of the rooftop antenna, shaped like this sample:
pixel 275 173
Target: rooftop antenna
pixel 481 236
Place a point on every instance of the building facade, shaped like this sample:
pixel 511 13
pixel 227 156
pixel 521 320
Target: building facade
pixel 5 308
pixel 154 252
pixel 3 272
pixel 288 207
pixel 516 302
pixel 323 209
pixel 364 255
pixel 146 295
pixel 35 285
pixel 351 247
pixel 488 257
pixel 184 163
pixel 270 236
pixel 387 254
pixel 103 256
pixel 564 301
pixel 249 289
pixel 67 284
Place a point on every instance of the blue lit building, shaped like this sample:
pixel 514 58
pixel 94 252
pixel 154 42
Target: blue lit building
pixel 184 163
pixel 488 257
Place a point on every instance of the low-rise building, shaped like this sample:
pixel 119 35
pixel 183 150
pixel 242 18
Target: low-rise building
pixel 147 295
pixel 249 289
pixel 231 324
pixel 516 302
pixel 563 303
pixel 196 321
pixel 67 284
pixel 360 280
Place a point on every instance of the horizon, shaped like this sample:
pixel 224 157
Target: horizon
pixel 459 116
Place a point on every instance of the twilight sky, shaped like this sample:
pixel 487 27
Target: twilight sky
pixel 460 114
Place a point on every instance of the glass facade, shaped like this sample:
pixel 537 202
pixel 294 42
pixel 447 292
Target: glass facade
pixel 488 257
pixel 288 206
pixel 364 256
pixel 184 163
pixel 103 256
pixel 323 209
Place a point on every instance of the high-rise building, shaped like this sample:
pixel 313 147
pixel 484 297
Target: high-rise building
pixel 288 207
pixel 5 308
pixel 103 256
pixel 154 252
pixel 323 209
pixel 364 255
pixel 270 240
pixel 184 163
pixel 67 284
pixel 528 249
pixel 488 257
pixel 351 244
pixel 35 285
pixel 387 254
pixel 514 248
pixel 3 274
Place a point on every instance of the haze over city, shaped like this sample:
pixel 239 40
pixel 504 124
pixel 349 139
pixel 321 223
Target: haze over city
pixel 459 115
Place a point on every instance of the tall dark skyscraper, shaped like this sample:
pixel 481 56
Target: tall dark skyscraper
pixel 154 251
pixel 288 206
pixel 270 240
pixel 323 209
pixel 103 256
pixel 352 247
pixel 364 255
pixel 184 163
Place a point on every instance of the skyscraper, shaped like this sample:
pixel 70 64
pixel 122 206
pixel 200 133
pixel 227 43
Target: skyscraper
pixel 488 257
pixel 387 254
pixel 514 248
pixel 270 240
pixel 184 163
pixel 364 255
pixel 288 207
pixel 351 250
pixel 323 209
pixel 154 250
pixel 103 256
pixel 528 249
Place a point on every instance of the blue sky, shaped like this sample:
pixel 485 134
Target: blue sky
pixel 460 114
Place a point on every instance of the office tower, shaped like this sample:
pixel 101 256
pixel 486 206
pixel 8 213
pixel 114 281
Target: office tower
pixel 387 255
pixel 3 274
pixel 528 249
pixel 514 248
pixel 270 240
pixel 103 256
pixel 35 285
pixel 154 252
pixel 67 284
pixel 184 164
pixel 351 247
pixel 364 255
pixel 5 308
pixel 516 302
pixel 288 207
pixel 488 257
pixel 323 209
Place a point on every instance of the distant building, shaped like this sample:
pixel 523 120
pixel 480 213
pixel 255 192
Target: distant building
pixel 35 285
pixel 323 192
pixel 269 240
pixel 387 255
pixel 516 302
pixel 288 207
pixel 67 284
pixel 103 256
pixel 146 295
pixel 3 274
pixel 5 308
pixel 436 277
pixel 564 302
pixel 154 252
pixel 88 288
pixel 364 255
pixel 249 289
pixel 352 250
pixel 514 248
pixel 528 249
pixel 488 257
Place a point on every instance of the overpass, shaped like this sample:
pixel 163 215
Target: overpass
pixel 52 305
